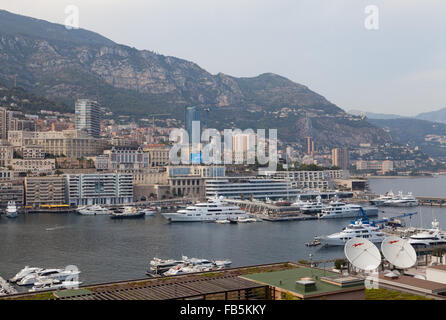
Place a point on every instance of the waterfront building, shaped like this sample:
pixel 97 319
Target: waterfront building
pixel 67 143
pixel 340 158
pixel 188 180
pixel 88 117
pixel 44 190
pixel 247 187
pixel 375 165
pixel 11 190
pixel 99 188
pixel 317 180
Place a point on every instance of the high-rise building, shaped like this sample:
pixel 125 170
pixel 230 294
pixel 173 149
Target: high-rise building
pixel 5 119
pixel 309 145
pixel 340 158
pixel 88 117
pixel 191 114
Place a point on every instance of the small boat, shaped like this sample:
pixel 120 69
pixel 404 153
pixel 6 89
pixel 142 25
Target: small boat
pixel 246 220
pixel 314 243
pixel 223 221
pixel 11 209
pixel 55 274
pixel 127 213
pixel 148 211
pixel 24 272
pixel 93 210
pixel 52 284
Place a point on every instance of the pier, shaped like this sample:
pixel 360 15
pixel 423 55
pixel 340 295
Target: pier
pixel 271 212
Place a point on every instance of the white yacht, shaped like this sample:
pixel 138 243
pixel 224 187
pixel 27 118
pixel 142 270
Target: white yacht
pixel 213 210
pixel 401 200
pixel 429 237
pixel 11 209
pixel 313 207
pixel 55 274
pixel 52 284
pixel 24 272
pixel 382 199
pixel 404 201
pixel 342 210
pixel 357 228
pixel 148 211
pixel 93 210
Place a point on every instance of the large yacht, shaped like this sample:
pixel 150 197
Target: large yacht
pixel 383 198
pixel 358 228
pixel 430 237
pixel 402 201
pixel 93 210
pixel 343 210
pixel 214 209
pixel 312 207
pixel 11 210
pixel 55 274
pixel 24 272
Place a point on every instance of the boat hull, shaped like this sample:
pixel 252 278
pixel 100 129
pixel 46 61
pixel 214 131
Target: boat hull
pixel 128 216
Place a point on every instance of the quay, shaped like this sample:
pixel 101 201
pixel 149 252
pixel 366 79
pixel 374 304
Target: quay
pixel 271 212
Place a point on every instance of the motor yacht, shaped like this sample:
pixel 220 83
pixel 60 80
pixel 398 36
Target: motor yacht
pixel 428 238
pixel 358 228
pixel 93 210
pixel 382 199
pixel 127 213
pixel 313 207
pixel 11 209
pixel 55 274
pixel 52 284
pixel 343 210
pixel 24 272
pixel 214 209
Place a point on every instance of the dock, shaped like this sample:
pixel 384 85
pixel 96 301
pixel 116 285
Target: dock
pixel 6 288
pixel 271 212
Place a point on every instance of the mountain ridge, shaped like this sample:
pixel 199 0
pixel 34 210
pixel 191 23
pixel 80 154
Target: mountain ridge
pixel 63 66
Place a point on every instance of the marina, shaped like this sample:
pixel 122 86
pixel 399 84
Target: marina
pixel 94 241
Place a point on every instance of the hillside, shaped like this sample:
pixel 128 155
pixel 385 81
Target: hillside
pixel 438 115
pixel 63 66
pixel 429 136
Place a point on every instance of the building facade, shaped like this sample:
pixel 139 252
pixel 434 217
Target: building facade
pixel 67 143
pixel 44 190
pixel 99 188
pixel 87 117
pixel 340 158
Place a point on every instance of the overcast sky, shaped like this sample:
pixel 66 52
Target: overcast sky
pixel 400 68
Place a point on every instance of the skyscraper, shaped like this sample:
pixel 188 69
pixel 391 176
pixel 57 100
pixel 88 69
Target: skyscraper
pixel 340 158
pixel 88 117
pixel 5 119
pixel 309 145
pixel 191 114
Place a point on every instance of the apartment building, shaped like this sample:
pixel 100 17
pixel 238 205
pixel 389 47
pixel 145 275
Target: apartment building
pixel 99 188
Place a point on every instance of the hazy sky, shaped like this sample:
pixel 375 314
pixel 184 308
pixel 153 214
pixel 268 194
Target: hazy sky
pixel 400 68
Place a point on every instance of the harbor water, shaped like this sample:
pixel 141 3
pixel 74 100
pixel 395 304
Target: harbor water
pixel 112 250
